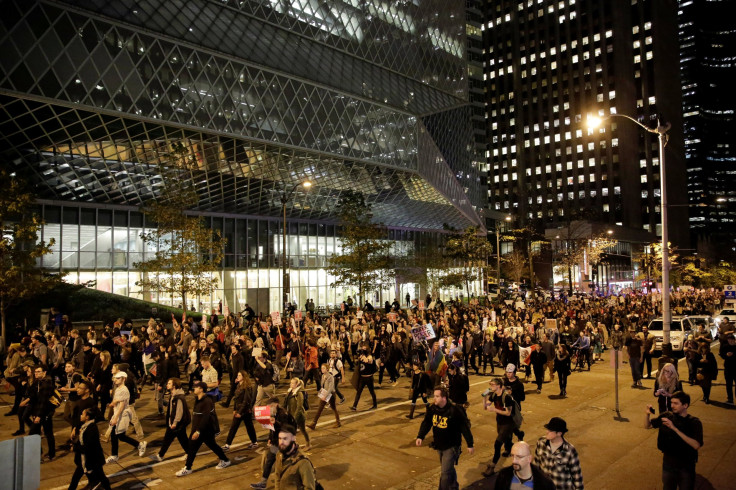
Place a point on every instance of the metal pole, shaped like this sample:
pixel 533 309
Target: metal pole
pixel 283 255
pixel 666 316
pixel 498 258
pixel 615 371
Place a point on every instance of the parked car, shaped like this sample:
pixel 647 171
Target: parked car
pixel 725 313
pixel 680 328
pixel 706 320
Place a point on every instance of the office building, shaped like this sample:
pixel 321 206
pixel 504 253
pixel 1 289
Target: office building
pixel 368 96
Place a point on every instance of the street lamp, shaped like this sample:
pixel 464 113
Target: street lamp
pixel 498 252
pixel 285 198
pixel 661 132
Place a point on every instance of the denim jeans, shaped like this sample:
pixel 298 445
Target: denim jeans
pixel 678 478
pixel 635 364
pixel 448 460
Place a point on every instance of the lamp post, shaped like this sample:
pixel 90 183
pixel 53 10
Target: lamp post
pixel 661 132
pixel 498 252
pixel 285 198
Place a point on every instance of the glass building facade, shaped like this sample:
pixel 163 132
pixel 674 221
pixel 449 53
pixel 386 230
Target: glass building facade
pixel 366 96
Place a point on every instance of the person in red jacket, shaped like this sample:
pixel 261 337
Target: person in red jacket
pixel 311 364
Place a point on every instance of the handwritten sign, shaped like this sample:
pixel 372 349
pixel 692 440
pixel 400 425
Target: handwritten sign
pixel 421 333
pixel 276 317
pixel 392 317
pixel 360 314
pixel 421 304
pixel 298 315
pixel 264 326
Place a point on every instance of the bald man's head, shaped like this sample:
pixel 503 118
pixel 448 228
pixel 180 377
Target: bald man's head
pixel 521 455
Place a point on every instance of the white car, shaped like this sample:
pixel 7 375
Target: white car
pixel 680 328
pixel 706 320
pixel 725 313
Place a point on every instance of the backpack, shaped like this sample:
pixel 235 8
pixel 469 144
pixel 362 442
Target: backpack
pixel 305 400
pixel 317 484
pixel 516 416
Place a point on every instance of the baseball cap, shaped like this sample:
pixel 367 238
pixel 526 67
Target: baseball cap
pixel 556 424
pixel 120 374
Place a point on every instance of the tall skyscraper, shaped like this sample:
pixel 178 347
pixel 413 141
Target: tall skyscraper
pixel 354 95
pixel 708 71
pixel 550 64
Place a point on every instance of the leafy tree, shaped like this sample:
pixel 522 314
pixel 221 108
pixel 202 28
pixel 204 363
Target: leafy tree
pixel 515 264
pixel 650 263
pixel 365 261
pixel 188 252
pixel 573 240
pixel 426 266
pixel 597 248
pixel 531 241
pixel 20 247
pixel 471 250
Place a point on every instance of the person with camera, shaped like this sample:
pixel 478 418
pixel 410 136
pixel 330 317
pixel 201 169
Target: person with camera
pixel 366 370
pixel 448 423
pixel 680 437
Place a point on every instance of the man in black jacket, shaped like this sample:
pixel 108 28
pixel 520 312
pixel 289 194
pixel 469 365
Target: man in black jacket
pixel 521 471
pixel 448 423
pixel 205 427
pixel 42 411
pixel 177 419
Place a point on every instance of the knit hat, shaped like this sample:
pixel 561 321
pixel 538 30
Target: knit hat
pixel 510 368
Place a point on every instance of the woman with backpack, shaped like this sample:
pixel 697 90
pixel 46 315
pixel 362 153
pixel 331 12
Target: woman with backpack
pixel 297 404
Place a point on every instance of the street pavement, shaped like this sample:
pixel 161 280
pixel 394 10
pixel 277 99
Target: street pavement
pixel 375 449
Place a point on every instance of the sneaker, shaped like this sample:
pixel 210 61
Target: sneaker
pixel 222 464
pixel 155 457
pixel 260 484
pixel 490 467
pixel 111 459
pixel 353 409
pixel 142 448
pixel 539 392
pixel 19 432
pixel 342 400
pixel 226 447
pixel 252 445
pixel 505 454
pixel 184 472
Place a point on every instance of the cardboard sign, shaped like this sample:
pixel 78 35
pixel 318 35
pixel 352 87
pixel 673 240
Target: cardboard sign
pixel 298 315
pixel 421 333
pixel 550 323
pixel 392 317
pixel 263 414
pixel 360 314
pixel 519 305
pixel 256 352
pixel 421 304
pixel 493 316
pixel 276 317
pixel 264 326
pixel 485 322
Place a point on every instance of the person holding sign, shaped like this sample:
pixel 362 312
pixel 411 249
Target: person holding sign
pixel 326 395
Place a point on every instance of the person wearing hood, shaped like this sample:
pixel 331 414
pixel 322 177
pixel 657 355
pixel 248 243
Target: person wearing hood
pixel 296 407
pixel 177 420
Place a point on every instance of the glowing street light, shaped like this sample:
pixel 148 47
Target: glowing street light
pixel 661 132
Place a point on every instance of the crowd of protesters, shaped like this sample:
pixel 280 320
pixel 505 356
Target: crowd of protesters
pixel 99 375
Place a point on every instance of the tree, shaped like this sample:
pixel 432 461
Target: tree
pixel 597 248
pixel 573 239
pixel 188 252
pixel 426 266
pixel 471 250
pixel 515 264
pixel 365 261
pixel 20 247
pixel 650 261
pixel 531 242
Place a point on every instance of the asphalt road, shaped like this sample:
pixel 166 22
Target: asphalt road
pixel 376 449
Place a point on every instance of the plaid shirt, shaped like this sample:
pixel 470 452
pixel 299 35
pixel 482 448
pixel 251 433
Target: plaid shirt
pixel 562 466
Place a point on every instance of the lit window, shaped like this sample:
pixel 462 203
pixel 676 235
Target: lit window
pixel 652 100
pixel 649 55
pixel 643 179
